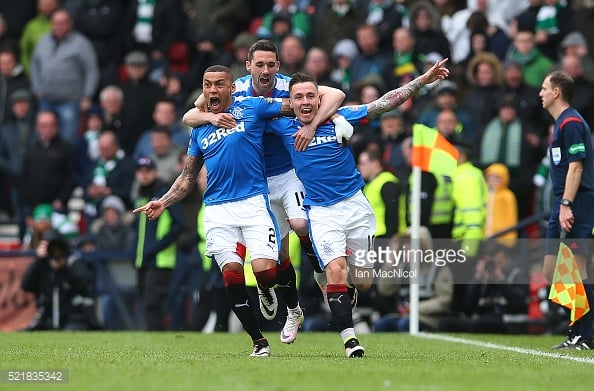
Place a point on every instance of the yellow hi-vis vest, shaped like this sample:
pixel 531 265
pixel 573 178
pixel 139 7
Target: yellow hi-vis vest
pixel 470 195
pixel 443 205
pixel 372 191
pixel 166 258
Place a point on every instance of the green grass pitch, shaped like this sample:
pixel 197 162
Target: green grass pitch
pixel 316 361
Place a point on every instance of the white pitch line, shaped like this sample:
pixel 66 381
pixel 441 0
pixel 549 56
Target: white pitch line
pixel 583 360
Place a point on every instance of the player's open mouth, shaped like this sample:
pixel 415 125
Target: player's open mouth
pixel 306 110
pixel 214 103
pixel 264 80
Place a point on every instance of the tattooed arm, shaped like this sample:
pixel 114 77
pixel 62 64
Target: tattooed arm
pixel 182 186
pixel 394 98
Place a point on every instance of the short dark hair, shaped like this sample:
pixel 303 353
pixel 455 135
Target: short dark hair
pixel 301 77
pixel 220 68
pixel 264 45
pixel 564 82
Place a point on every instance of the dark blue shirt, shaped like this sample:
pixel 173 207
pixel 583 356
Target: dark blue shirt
pixel 571 142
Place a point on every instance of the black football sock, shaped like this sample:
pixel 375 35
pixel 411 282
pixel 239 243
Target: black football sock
pixel 340 306
pixel 286 282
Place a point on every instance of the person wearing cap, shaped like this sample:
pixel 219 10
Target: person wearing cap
pixel 264 80
pixel 572 175
pixel 583 93
pixel 12 79
pixel 140 95
pixel 63 285
pixel 445 97
pixel 64 73
pixel 156 245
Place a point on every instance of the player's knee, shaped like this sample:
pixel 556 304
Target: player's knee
pixel 266 278
pixel 299 226
pixel 336 271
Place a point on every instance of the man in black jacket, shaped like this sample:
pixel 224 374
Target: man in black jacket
pixel 63 285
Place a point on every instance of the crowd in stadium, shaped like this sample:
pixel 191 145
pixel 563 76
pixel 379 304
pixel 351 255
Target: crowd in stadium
pixel 92 94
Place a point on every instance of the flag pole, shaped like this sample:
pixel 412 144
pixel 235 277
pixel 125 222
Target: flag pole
pixel 415 245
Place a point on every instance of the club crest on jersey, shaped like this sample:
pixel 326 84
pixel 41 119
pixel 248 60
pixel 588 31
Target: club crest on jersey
pixel 237 112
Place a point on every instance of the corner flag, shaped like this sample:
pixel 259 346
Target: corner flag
pixel 432 152
pixel 567 288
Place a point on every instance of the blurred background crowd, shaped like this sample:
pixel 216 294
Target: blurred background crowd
pixel 92 93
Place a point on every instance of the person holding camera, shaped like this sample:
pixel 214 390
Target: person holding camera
pixel 63 285
pixel 496 299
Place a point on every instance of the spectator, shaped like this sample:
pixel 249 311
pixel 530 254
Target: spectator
pixel 446 97
pixel 111 102
pixel 575 44
pixel 535 65
pixel 63 285
pixel 165 154
pixel 241 46
pixel 298 21
pixel 496 298
pixel 526 99
pixel 87 148
pixel 64 73
pixel 164 116
pixel 6 42
pixel 387 16
pixel 16 136
pixel 47 167
pixel 156 251
pixel 291 55
pixel 502 206
pixel 393 132
pixel 553 22
pixel 35 29
pixel 101 21
pixel 317 64
pixel 140 97
pixel 343 53
pixel 208 49
pixel 112 175
pixel 112 232
pixel 485 76
pixel 44 218
pixel 382 190
pixel 497 40
pixel 424 24
pixel 12 78
pixel 369 60
pixel 405 63
pixel 224 16
pixel 336 20
pixel 583 95
pixel 507 140
pixel 435 290
pixel 151 26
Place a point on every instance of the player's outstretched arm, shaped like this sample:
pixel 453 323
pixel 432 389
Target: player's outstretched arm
pixel 182 186
pixel 394 98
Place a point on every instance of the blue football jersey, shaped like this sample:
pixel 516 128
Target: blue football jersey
pixel 328 171
pixel 276 158
pixel 234 158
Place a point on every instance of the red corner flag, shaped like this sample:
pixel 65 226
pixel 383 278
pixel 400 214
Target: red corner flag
pixel 432 152
pixel 567 288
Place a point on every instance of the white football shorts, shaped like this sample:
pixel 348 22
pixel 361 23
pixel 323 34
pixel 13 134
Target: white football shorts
pixel 345 229
pixel 286 200
pixel 249 222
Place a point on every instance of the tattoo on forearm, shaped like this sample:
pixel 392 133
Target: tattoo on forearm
pixel 394 98
pixel 184 183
